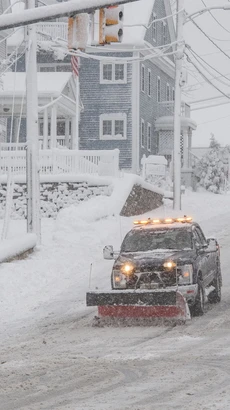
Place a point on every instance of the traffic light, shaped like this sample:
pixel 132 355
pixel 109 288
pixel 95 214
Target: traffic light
pixel 111 24
pixel 78 31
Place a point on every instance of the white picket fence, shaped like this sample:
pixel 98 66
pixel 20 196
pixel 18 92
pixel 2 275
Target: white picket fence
pixel 59 161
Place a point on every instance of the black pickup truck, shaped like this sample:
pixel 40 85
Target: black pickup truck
pixel 169 254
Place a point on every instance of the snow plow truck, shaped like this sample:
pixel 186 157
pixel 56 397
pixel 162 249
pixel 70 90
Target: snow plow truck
pixel 166 268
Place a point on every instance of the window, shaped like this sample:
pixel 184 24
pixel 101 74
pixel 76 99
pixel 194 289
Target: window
pixel 149 83
pixel 107 72
pixel 167 92
pixel 142 133
pixel 113 73
pixel 158 89
pixel 173 94
pixel 143 78
pixel 113 126
pixel 154 27
pixel 119 72
pixel 107 128
pixel 149 137
pixel 164 32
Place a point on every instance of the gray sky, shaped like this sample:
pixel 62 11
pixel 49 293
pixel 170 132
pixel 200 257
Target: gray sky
pixel 208 120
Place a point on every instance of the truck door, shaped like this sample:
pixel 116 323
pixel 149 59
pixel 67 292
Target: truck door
pixel 209 252
pixel 202 258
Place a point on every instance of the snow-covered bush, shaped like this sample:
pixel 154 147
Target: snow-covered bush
pixel 212 169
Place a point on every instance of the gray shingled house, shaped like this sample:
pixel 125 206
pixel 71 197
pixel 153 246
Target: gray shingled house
pixel 127 102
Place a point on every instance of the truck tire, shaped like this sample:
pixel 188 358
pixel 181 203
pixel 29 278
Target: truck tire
pixel 215 295
pixel 198 308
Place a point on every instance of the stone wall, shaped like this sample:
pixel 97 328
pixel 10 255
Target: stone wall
pixel 141 200
pixel 53 197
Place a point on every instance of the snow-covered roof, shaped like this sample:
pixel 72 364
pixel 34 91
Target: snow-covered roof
pixel 48 83
pixel 167 123
pixel 136 14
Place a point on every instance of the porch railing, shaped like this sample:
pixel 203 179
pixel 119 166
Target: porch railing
pixel 58 161
pixel 53 29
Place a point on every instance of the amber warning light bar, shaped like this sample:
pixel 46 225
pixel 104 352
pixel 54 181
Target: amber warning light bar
pixel 150 221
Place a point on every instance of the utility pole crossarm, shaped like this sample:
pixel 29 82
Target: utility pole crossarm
pixel 54 11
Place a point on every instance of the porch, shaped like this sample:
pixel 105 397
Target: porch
pixel 60 161
pixel 56 108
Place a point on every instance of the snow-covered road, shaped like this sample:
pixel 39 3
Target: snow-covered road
pixel 51 357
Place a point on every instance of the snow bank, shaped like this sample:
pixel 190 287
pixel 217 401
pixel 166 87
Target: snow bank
pixel 10 248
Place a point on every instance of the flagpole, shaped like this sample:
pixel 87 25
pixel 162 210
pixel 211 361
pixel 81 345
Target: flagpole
pixel 76 144
pixel 75 62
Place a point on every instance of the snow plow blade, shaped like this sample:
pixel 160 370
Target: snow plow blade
pixel 164 304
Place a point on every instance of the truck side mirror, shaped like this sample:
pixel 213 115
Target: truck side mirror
pixel 108 252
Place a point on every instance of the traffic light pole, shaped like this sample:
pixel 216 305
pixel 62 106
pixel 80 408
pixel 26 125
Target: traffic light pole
pixel 32 154
pixel 177 109
pixel 68 8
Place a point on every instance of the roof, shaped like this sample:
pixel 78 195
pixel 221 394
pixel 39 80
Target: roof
pixel 136 14
pixel 51 83
pixel 167 123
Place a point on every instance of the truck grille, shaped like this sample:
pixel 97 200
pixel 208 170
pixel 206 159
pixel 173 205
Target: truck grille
pixel 153 280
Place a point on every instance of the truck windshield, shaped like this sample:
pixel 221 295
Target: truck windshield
pixel 149 240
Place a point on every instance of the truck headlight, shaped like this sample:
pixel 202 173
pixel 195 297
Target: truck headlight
pixel 186 273
pixel 127 268
pixel 119 280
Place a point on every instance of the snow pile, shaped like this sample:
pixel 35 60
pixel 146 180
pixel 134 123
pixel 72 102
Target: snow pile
pixel 10 248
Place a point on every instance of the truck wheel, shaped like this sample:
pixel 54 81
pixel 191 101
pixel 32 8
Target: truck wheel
pixel 198 308
pixel 215 295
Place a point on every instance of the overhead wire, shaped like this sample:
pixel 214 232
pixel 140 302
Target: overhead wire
pixel 208 37
pixel 214 18
pixel 197 57
pixel 205 77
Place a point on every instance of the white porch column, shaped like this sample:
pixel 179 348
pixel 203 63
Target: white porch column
pixel 16 129
pixel 185 144
pixel 45 129
pixel 189 148
pixel 73 133
pixel 53 141
pixel 67 132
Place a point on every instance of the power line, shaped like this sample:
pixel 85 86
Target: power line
pixel 196 56
pixel 214 18
pixel 217 119
pixel 208 37
pixel 206 78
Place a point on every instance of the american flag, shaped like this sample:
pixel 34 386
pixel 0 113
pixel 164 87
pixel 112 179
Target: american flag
pixel 75 65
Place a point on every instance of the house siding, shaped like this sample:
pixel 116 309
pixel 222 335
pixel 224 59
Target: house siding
pixel 104 99
pixel 159 10
pixel 150 109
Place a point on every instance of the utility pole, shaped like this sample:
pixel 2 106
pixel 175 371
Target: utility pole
pixel 177 108
pixel 32 154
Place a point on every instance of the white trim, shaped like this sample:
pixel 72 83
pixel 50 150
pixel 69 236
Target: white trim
pixel 142 135
pixel 158 89
pixel 142 71
pixel 149 82
pixel 149 127
pixel 136 114
pixel 164 63
pixel 113 81
pixel 113 117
